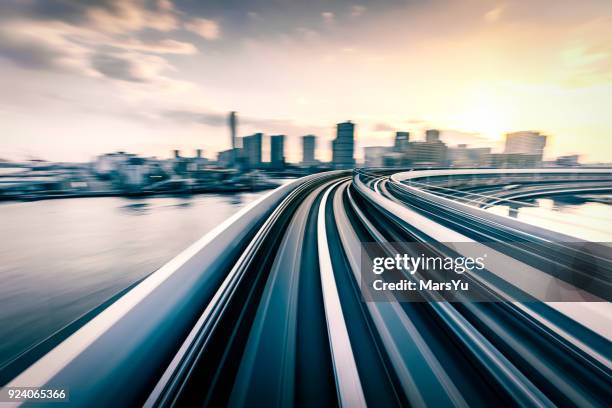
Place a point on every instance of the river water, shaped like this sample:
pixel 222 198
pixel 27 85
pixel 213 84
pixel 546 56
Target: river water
pixel 61 258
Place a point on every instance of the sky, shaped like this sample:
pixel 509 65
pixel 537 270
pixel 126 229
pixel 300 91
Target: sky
pixel 80 78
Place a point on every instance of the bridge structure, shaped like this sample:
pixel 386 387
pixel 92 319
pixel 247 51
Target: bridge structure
pixel 267 309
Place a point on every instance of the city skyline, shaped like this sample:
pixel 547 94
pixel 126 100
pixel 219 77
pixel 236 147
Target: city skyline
pixel 152 76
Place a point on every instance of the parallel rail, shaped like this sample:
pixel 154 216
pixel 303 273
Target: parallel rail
pixel 267 309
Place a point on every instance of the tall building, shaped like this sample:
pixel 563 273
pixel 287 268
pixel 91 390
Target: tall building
pixel 277 151
pixel 232 125
pixel 309 145
pixel 402 140
pixel 251 147
pixel 343 146
pixel 432 135
pixel 427 153
pixel 531 143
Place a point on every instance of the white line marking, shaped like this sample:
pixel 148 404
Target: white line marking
pixel 350 393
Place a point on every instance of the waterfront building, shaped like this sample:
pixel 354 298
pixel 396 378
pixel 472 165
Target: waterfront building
pixel 343 146
pixel 232 125
pixel 226 158
pixel 252 150
pixel 571 160
pixel 277 151
pixel 432 135
pixel 427 153
pixel 108 163
pixel 402 140
pixel 527 142
pixel 309 144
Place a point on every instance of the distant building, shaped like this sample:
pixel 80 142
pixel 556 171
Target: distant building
pixel 309 145
pixel 251 146
pixel 126 172
pixel 198 162
pixel 277 151
pixel 402 140
pixel 568 161
pixel 514 160
pixel 463 156
pixel 395 159
pixel 375 155
pixel 110 162
pixel 133 173
pixel 228 158
pixel 432 135
pixel 343 146
pixel 177 154
pixel 427 153
pixel 431 152
pixel 232 125
pixel 530 143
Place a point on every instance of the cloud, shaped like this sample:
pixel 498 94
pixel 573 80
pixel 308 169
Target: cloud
pixel 116 67
pixel 586 63
pixel 218 119
pixel 99 40
pixel 166 46
pixel 383 127
pixel 307 34
pixel 207 29
pixel 34 45
pixel 416 122
pixel 453 137
pixel 196 116
pixel 210 118
pixel 493 15
pixel 328 17
pixel 253 15
pixel 132 15
pixel 357 10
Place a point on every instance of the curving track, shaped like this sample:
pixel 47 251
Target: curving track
pixel 267 310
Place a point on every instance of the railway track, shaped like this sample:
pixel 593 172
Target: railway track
pixel 268 310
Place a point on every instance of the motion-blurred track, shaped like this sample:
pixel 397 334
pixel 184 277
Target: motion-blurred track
pixel 267 309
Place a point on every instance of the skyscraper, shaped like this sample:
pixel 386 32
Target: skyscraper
pixel 232 125
pixel 277 151
pixel 432 135
pixel 252 150
pixel 530 143
pixel 401 142
pixel 343 146
pixel 309 144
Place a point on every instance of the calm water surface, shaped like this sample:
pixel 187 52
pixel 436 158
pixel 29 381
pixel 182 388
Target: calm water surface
pixel 586 219
pixel 62 258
